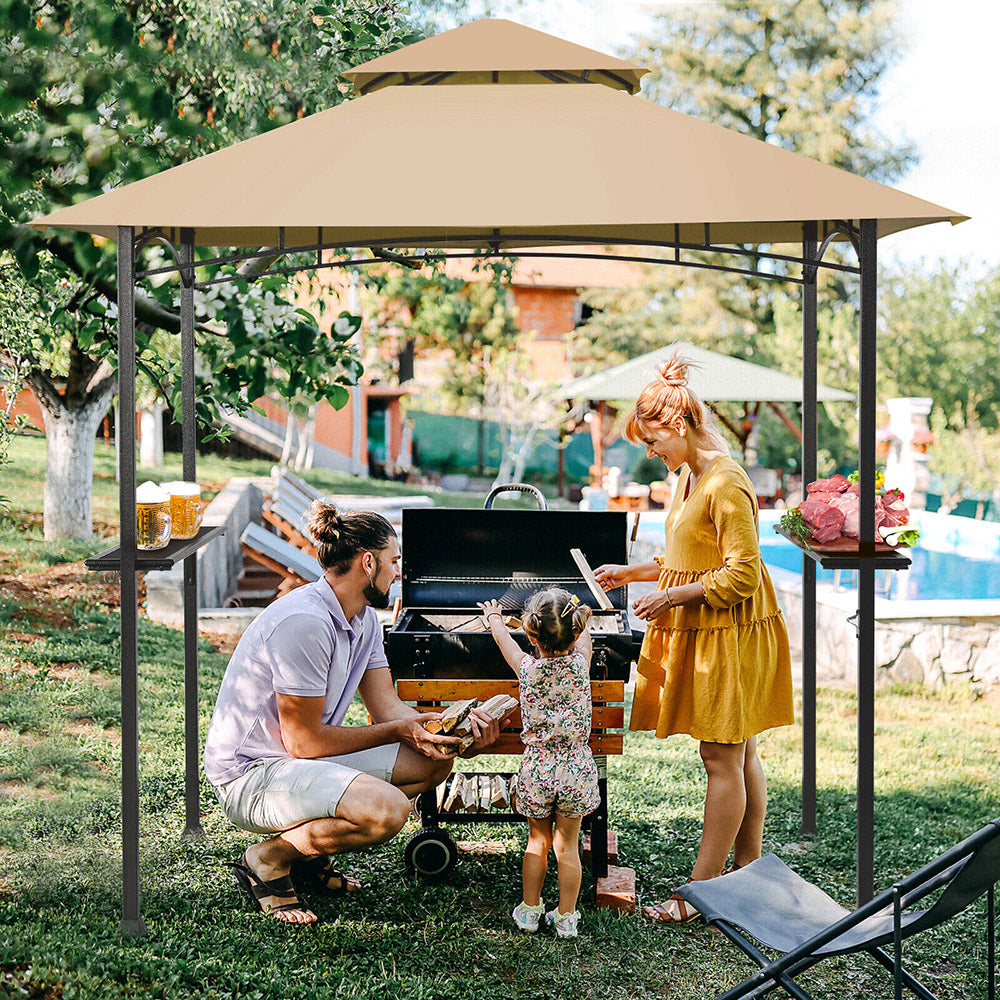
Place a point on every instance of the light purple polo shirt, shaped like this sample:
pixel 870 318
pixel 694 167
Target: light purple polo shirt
pixel 300 645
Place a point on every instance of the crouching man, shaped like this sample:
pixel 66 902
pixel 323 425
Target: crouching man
pixel 282 763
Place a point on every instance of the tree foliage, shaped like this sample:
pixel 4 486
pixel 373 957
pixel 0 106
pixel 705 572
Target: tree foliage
pixel 99 93
pixel 803 76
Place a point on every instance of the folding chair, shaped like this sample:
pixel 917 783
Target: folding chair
pixel 290 524
pixel 782 911
pixel 295 483
pixel 295 566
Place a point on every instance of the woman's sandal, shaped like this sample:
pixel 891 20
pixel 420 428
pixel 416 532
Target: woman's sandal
pixel 317 875
pixel 258 890
pixel 734 867
pixel 673 910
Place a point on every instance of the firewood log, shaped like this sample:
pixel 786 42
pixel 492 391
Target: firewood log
pixel 470 793
pixel 498 792
pixel 453 800
pixel 451 716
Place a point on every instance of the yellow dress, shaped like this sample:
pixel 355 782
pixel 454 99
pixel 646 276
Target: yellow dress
pixel 719 671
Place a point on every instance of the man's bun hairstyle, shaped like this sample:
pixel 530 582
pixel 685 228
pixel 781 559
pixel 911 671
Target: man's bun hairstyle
pixel 340 537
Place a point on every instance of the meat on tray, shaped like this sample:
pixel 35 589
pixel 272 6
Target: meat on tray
pixel 831 510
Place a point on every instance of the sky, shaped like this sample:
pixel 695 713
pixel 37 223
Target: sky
pixel 941 96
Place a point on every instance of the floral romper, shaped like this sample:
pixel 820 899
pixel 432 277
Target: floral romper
pixel 558 772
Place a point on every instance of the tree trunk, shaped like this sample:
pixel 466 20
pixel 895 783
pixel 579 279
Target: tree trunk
pixel 286 448
pixel 69 467
pixel 72 417
pixel 151 435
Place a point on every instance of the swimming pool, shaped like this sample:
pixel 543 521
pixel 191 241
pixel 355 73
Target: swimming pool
pixel 956 558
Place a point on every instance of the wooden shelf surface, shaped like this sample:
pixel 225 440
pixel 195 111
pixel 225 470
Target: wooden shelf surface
pixel 844 553
pixel 174 552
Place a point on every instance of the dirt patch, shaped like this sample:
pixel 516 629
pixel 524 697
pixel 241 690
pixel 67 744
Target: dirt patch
pixel 221 642
pixel 46 597
pixel 67 583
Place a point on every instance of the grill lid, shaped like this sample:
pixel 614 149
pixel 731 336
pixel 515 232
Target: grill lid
pixel 455 558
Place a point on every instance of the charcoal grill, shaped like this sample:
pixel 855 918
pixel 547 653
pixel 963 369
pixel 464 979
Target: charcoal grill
pixel 437 653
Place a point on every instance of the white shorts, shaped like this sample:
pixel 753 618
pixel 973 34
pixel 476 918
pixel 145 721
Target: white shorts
pixel 277 793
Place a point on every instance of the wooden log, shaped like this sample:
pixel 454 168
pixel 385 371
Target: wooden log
pixel 451 716
pixel 453 801
pixel 485 792
pixel 498 792
pixel 470 794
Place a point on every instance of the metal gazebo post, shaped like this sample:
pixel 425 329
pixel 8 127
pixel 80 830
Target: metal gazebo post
pixel 866 571
pixel 132 923
pixel 192 811
pixel 810 275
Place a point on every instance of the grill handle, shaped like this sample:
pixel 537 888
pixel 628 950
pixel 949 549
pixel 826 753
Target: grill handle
pixel 516 488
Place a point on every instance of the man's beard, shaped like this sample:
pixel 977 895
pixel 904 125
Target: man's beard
pixel 375 597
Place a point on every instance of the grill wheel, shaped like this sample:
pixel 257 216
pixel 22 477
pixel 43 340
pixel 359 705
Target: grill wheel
pixel 430 853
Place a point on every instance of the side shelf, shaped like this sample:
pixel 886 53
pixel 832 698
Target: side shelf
pixel 174 552
pixel 845 554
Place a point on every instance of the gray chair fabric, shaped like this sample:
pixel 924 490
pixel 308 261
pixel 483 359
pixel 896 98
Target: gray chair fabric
pixel 782 911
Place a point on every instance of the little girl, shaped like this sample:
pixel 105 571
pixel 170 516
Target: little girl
pixel 557 783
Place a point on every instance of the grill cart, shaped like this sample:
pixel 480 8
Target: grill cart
pixel 439 653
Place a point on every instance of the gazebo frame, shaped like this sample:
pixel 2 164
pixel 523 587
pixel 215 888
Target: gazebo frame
pixel 637 209
pixel 862 235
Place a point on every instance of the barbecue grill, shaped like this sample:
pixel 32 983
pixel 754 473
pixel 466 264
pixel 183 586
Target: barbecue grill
pixel 439 653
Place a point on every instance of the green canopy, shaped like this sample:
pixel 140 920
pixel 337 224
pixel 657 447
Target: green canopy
pixel 714 377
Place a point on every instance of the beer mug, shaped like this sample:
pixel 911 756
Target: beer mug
pixel 185 509
pixel 152 517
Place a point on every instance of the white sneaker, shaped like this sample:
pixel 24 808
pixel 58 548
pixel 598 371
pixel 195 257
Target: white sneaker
pixel 565 924
pixel 527 917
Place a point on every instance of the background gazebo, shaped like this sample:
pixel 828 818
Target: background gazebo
pixel 714 377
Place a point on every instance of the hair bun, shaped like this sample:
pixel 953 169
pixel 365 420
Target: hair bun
pixel 673 371
pixel 324 523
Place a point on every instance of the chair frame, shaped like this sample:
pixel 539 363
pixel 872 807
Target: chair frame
pixel 944 871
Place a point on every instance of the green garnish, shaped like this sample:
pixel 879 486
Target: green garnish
pixel 793 522
pixel 879 478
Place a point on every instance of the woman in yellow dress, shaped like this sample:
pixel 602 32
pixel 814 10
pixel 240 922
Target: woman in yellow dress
pixel 715 661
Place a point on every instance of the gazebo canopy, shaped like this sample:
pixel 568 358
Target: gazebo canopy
pixel 495 51
pixel 497 165
pixel 714 377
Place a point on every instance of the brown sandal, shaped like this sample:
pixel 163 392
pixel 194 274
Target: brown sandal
pixel 734 867
pixel 673 910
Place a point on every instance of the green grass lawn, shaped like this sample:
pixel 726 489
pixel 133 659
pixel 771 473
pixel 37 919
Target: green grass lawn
pixel 937 780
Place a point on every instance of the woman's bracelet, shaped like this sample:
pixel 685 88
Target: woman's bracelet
pixel 670 603
pixel 492 613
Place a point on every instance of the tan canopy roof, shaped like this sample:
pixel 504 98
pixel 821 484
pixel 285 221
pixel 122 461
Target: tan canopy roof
pixel 714 377
pixel 502 165
pixel 495 51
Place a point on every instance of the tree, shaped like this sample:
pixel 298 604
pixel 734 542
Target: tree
pixel 101 93
pixel 803 76
pixel 940 337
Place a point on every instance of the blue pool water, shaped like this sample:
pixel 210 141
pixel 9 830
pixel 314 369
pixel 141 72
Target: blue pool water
pixel 956 558
pixel 951 561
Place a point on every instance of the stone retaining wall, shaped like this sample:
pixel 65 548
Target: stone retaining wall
pixel 914 641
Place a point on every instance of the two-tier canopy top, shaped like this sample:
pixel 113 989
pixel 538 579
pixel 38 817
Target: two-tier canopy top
pixel 549 155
